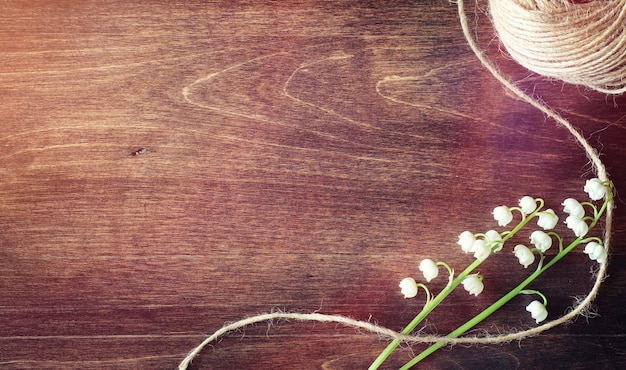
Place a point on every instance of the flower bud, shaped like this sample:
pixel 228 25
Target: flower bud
pixel 541 240
pixel 503 215
pixel 537 311
pixel 547 219
pixel 493 238
pixel 596 252
pixel 408 287
pixel 595 189
pixel 527 204
pixel 429 269
pixel 524 255
pixel 466 241
pixel 573 208
pixel 577 225
pixel 473 284
pixel 481 250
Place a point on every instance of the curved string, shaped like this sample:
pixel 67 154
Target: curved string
pixel 580 308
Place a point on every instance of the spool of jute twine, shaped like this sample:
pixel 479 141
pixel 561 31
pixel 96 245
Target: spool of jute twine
pixel 582 43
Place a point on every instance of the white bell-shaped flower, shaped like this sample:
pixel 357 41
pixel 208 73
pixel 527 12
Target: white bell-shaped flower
pixel 596 252
pixel 473 284
pixel 503 215
pixel 524 255
pixel 547 219
pixel 429 269
pixel 493 238
pixel 466 241
pixel 595 189
pixel 481 250
pixel 408 287
pixel 577 225
pixel 572 207
pixel 541 240
pixel 527 204
pixel 537 311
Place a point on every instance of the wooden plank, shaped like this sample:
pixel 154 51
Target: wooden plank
pixel 171 166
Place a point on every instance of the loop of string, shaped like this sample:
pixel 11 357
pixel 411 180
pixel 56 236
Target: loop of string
pixel 599 168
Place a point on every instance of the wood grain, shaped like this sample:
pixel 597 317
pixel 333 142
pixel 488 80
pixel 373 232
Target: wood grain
pixel 169 166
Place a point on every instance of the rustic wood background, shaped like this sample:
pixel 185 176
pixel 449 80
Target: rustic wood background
pixel 169 166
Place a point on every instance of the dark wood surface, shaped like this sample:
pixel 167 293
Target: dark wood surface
pixel 169 166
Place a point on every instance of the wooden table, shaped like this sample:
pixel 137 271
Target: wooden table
pixel 169 166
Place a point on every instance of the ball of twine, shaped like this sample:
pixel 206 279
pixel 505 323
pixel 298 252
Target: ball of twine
pixel 582 43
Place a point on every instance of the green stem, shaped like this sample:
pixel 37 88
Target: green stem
pixel 420 285
pixel 513 293
pixel 536 292
pixel 429 306
pixel 491 309
pixel 609 196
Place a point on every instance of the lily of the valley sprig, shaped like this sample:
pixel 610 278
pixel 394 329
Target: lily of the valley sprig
pixel 581 219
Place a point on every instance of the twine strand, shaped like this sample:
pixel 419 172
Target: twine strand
pixel 607 85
